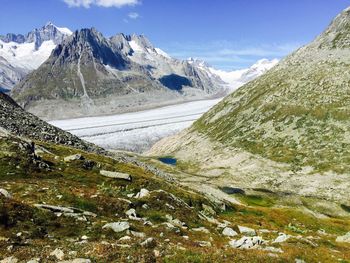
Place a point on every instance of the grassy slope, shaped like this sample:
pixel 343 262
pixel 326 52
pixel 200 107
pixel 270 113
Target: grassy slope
pixel 69 184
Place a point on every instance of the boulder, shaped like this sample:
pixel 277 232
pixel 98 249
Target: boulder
pixel 9 260
pixel 117 226
pixel 246 231
pixel 73 157
pixel 5 193
pixel 76 260
pixel 344 239
pixel 57 253
pixel 149 243
pixel 116 175
pixel 143 193
pixel 229 232
pixel 201 229
pixel 247 242
pixel 281 238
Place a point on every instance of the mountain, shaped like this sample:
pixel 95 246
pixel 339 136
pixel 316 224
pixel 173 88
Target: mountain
pixel 238 78
pixel 21 54
pixel 89 74
pixel 286 131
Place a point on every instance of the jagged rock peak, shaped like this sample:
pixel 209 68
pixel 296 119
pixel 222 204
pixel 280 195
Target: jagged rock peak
pixel 48 32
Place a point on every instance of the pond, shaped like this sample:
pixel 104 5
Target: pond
pixel 232 190
pixel 167 160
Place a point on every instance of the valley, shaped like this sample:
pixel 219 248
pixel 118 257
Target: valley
pixel 136 131
pixel 230 143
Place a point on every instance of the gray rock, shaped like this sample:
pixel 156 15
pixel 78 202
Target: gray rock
pixel 116 175
pixel 73 157
pixel 246 231
pixel 247 242
pixel 281 238
pixel 344 239
pixel 117 226
pixel 229 232
pixel 58 253
pixel 149 243
pixel 5 193
pixel 76 260
pixel 201 229
pixel 143 193
pixel 9 260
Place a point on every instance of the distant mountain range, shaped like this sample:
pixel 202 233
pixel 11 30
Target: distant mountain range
pixel 85 73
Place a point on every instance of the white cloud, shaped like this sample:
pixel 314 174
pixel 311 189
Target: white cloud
pixel 102 3
pixel 133 15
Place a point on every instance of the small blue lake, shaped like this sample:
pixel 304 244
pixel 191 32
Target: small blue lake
pixel 168 160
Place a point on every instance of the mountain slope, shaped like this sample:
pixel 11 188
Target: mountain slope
pixel 14 120
pixel 286 131
pixel 89 74
pixel 21 54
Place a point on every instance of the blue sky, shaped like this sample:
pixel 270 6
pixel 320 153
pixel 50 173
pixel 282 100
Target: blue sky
pixel 228 34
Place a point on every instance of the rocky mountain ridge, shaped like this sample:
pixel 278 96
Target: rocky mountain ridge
pixel 94 75
pixel 20 54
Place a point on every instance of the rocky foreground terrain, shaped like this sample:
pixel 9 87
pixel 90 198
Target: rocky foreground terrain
pixel 61 204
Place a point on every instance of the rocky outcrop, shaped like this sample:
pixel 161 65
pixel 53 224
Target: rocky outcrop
pixel 21 123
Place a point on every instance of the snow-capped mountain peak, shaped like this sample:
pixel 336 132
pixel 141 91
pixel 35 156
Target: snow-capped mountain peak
pixel 238 78
pixel 21 54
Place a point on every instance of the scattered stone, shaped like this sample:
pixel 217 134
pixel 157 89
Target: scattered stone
pixel 84 237
pixel 143 193
pixel 344 239
pixel 201 229
pixel 247 242
pixel 281 238
pixel 55 208
pixel 9 260
pixel 156 253
pixel 117 226
pixel 125 238
pixel 229 232
pixel 246 231
pixel 273 249
pixel 138 234
pixel 131 213
pixel 116 175
pixel 76 260
pixel 145 206
pixel 58 253
pixel 204 243
pixel 5 193
pixel 34 260
pixel 149 243
pixel 73 157
pixel 130 195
